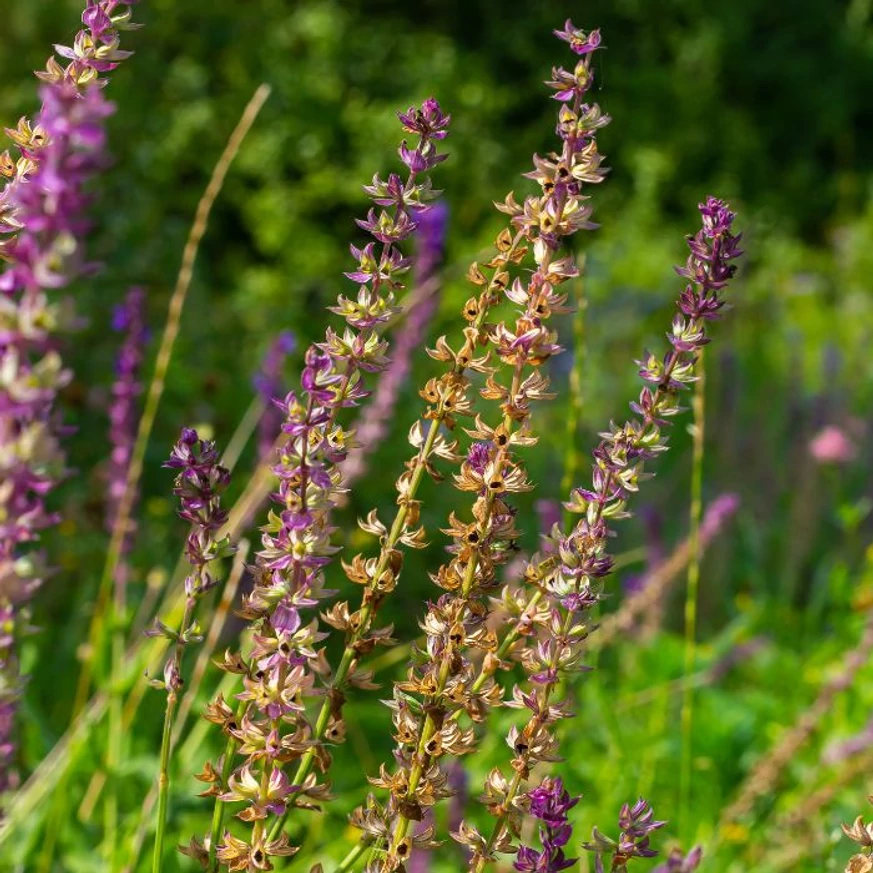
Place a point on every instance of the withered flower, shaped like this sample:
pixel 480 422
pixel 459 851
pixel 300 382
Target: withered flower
pixel 286 667
pixel 442 678
pixel 565 580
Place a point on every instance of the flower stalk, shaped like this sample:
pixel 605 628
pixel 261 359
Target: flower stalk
pixel 199 484
pixel 567 577
pixel 271 727
pixel 693 580
pixel 439 684
pixel 43 209
pixel 379 575
pixel 373 425
pixel 130 318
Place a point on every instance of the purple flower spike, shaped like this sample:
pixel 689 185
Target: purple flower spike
pixel 269 384
pixel 199 484
pixel 430 232
pixel 708 266
pixel 568 574
pixel 429 122
pixel 636 824
pixel 43 224
pixel 549 803
pixel 127 318
pixel 296 540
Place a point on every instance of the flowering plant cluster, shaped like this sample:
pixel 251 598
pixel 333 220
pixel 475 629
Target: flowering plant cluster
pixel 43 221
pixel 492 643
pixel 444 684
pixel 199 485
pixel 269 727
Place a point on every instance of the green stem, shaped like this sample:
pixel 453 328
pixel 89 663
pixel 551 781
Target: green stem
pixel 348 862
pixel 167 740
pixel 164 783
pixel 115 739
pixel 693 585
pixel 266 772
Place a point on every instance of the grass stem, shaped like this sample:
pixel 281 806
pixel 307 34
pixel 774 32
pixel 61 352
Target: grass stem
pixel 691 594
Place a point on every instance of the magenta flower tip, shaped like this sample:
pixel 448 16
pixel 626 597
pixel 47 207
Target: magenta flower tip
pixel 581 43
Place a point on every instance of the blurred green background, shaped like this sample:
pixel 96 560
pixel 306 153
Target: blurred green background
pixel 767 104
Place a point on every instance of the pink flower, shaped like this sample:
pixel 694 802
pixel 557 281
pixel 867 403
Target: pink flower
pixel 831 445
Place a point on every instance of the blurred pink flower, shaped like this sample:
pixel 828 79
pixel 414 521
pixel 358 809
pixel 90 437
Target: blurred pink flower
pixel 831 445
